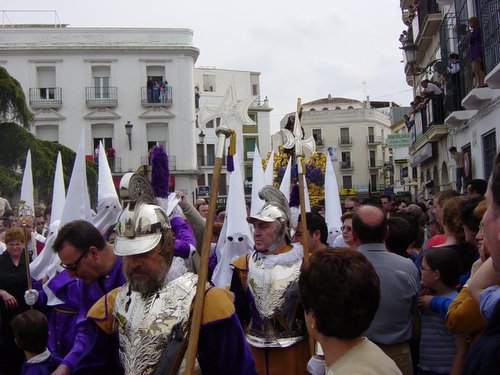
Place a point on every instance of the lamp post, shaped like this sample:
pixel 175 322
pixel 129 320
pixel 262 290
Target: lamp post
pixel 201 137
pixel 128 131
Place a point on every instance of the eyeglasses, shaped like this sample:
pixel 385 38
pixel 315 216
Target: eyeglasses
pixel 74 266
pixel 350 208
pixel 346 228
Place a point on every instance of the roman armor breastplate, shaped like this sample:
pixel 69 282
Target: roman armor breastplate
pixel 276 316
pixel 152 329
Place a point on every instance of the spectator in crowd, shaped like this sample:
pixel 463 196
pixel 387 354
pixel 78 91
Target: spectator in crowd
pixel 392 327
pixel 470 221
pixel 476 52
pixel 4 205
pixel 437 203
pixel 317 232
pixel 386 200
pixel 399 236
pixel 440 351
pixel 460 171
pixel 202 209
pixel 477 186
pixel 351 204
pixel 483 287
pixel 453 81
pixel 340 293
pixel 346 239
pixel 31 332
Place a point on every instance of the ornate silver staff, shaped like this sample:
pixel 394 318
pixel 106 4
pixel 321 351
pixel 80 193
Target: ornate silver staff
pixel 295 140
pixel 227 110
pixel 23 212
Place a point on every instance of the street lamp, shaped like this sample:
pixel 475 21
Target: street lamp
pixel 201 137
pixel 128 131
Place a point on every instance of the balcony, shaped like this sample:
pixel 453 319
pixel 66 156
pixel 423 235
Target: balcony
pixel 319 142
pixel 346 165
pixel 375 164
pixel 429 18
pixel 373 140
pixel 154 98
pixel 46 97
pixel 171 162
pixel 101 96
pixel 207 161
pixel 345 141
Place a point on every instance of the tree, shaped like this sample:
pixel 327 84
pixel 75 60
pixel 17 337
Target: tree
pixel 13 105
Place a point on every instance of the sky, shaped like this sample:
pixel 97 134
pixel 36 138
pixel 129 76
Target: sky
pixel 302 49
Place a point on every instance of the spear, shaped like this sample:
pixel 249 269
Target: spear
pixel 228 109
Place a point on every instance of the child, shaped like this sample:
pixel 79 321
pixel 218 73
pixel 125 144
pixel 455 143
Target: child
pixel 441 352
pixel 31 334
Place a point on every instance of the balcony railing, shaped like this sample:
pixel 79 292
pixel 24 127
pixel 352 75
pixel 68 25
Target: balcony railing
pixel 155 97
pixel 490 32
pixel 146 160
pixel 375 164
pixel 429 19
pixel 46 97
pixel 346 165
pixel 373 140
pixel 101 96
pixel 319 141
pixel 345 141
pixel 206 161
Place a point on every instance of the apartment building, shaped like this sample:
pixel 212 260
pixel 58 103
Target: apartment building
pixel 354 133
pixel 211 85
pixel 129 88
pixel 465 115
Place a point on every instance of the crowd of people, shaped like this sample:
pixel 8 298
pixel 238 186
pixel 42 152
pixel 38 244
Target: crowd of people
pixel 404 288
pixel 159 91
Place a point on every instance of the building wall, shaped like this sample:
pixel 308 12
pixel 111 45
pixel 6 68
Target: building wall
pixel 126 54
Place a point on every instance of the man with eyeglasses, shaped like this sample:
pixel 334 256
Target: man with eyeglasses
pixel 85 254
pixel 351 204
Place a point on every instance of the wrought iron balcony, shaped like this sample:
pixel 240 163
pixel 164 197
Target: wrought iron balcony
pixel 346 165
pixel 373 140
pixel 101 96
pixel 375 164
pixel 345 141
pixel 152 98
pixel 46 97
pixel 429 19
pixel 172 165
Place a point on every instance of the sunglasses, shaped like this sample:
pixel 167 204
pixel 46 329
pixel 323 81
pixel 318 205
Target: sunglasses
pixel 345 228
pixel 74 266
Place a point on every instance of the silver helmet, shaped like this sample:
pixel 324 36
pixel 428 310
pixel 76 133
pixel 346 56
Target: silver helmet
pixel 275 209
pixel 142 224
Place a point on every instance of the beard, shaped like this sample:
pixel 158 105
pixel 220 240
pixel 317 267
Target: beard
pixel 148 282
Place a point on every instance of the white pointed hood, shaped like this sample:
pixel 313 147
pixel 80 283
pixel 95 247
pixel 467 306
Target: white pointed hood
pixel 268 174
pixel 333 209
pixel 27 185
pixel 286 181
pixel 108 204
pixel 258 182
pixel 77 206
pixel 239 240
pixel 58 191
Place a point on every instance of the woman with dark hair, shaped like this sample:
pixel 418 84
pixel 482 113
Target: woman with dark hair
pixel 340 293
pixel 476 52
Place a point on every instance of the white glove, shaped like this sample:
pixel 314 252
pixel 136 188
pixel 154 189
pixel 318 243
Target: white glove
pixel 30 297
pixel 316 365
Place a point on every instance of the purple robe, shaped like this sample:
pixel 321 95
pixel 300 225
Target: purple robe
pixel 184 237
pixel 88 295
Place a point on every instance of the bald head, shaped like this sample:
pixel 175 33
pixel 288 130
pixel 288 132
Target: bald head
pixel 369 225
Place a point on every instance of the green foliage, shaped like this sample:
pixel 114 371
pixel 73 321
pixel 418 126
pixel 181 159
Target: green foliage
pixel 15 142
pixel 12 100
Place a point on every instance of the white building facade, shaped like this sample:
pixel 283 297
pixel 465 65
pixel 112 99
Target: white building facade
pixel 469 121
pixel 355 134
pixel 212 85
pixel 100 79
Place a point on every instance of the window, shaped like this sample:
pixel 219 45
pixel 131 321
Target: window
pixel 201 180
pixel 344 136
pixel 312 110
pixel 350 107
pixel 372 158
pixel 371 134
pixel 208 82
pixel 46 80
pixel 210 154
pixel 249 147
pixel 345 157
pixel 213 123
pixel 347 182
pixel 200 152
pixel 337 108
pixel 373 182
pixel 325 109
pixel 100 78
pixel 255 89
pixel 489 152
pixel 48 132
pixel 318 137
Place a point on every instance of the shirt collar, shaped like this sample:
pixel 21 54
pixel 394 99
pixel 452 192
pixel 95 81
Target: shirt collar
pixel 372 247
pixel 40 357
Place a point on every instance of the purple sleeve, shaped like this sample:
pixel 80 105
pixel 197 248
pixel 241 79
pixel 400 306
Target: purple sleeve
pixel 222 349
pixel 184 237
